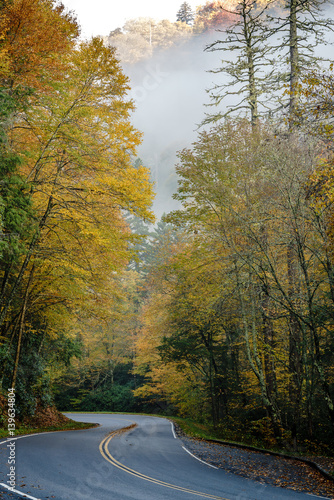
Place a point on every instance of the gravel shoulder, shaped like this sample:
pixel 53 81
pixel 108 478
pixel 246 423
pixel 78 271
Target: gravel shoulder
pixel 263 467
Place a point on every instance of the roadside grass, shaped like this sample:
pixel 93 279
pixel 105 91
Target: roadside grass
pixel 194 429
pixel 202 431
pixel 21 429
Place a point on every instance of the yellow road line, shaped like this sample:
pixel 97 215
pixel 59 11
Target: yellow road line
pixel 107 456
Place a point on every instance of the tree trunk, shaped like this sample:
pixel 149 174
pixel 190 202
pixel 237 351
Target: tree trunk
pixel 7 302
pixel 21 328
pixel 295 358
pixel 294 58
pixel 252 88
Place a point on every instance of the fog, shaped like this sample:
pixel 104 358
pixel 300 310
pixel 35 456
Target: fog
pixel 169 90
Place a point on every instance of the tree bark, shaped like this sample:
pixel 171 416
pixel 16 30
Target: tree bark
pixel 294 57
pixel 21 328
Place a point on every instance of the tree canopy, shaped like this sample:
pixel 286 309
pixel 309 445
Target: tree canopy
pixel 221 312
pixel 67 178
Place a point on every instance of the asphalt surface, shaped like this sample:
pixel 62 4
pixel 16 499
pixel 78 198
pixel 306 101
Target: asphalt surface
pixel 146 463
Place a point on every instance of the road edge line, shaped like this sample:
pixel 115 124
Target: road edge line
pixel 15 438
pixel 194 456
pixel 23 495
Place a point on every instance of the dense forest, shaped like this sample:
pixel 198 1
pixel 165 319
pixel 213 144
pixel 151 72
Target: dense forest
pixel 223 310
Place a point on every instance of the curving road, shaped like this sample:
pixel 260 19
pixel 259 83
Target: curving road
pixel 145 463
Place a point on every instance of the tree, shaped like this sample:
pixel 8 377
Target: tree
pixel 16 208
pixel 103 373
pixel 245 40
pixel 303 27
pixel 142 36
pixel 131 47
pixel 37 33
pixel 74 178
pixel 33 36
pixel 316 105
pixel 149 243
pixel 185 14
pixel 70 172
pixel 175 382
pixel 251 41
pixel 243 193
pixel 211 16
pixel 4 59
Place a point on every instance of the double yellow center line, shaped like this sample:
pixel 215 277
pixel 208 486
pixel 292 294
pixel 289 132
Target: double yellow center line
pixel 107 455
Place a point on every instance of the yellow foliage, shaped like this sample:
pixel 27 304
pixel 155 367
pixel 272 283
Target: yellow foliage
pixel 77 146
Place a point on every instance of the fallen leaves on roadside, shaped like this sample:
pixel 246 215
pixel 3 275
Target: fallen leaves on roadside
pixel 263 467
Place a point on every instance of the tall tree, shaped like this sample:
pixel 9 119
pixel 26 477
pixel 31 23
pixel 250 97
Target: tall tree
pixel 185 14
pixel 303 27
pixel 66 148
pixel 243 193
pixel 37 34
pixel 73 177
pixel 250 81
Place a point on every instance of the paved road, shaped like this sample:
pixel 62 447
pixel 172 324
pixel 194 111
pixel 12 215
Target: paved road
pixel 145 463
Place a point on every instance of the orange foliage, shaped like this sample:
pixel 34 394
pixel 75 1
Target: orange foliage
pixel 215 15
pixel 37 33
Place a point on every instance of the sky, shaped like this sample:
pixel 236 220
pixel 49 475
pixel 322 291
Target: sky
pixel 99 17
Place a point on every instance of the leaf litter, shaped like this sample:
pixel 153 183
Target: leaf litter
pixel 264 467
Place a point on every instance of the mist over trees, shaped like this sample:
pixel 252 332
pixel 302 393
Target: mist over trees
pixel 161 58
pixel 223 310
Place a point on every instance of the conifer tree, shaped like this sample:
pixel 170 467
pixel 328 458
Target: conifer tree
pixel 185 14
pixel 246 39
pixel 303 27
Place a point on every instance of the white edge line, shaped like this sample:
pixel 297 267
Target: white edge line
pixel 206 463
pixel 15 438
pixel 173 430
pixel 24 495
pixel 316 496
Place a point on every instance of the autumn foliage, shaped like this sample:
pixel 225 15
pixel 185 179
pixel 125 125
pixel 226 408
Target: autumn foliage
pixel 67 179
pixel 223 312
pixel 240 310
pixel 214 15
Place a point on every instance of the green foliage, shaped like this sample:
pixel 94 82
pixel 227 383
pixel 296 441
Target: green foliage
pixel 148 242
pixel 39 355
pixel 116 398
pixel 93 394
pixel 16 212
